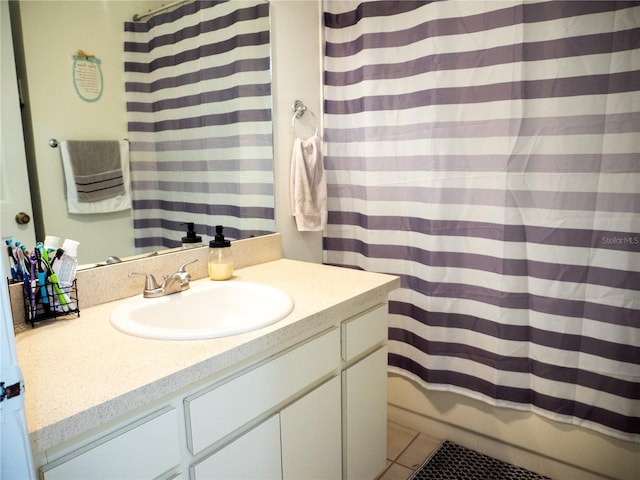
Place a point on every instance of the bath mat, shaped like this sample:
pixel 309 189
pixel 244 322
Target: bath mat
pixel 453 462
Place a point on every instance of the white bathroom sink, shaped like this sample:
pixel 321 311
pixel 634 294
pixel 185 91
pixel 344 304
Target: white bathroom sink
pixel 206 310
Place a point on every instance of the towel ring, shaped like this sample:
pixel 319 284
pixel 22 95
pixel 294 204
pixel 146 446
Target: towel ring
pixel 299 109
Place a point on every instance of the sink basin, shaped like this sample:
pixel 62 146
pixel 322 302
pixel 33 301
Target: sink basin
pixel 206 310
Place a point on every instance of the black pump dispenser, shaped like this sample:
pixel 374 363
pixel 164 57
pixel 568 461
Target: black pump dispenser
pixel 219 241
pixel 191 234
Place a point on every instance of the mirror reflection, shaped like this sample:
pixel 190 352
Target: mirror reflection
pixel 198 125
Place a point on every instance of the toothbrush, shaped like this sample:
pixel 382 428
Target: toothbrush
pixel 33 284
pixel 18 256
pixel 57 256
pixel 25 256
pixel 23 274
pixel 42 278
pixel 53 279
pixel 69 304
pixel 14 271
pixel 16 259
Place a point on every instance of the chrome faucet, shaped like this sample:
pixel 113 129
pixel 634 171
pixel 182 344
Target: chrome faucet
pixel 174 283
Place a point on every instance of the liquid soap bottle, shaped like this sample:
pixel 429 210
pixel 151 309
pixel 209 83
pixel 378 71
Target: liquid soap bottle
pixel 220 260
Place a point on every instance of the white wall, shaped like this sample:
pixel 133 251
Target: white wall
pixel 297 75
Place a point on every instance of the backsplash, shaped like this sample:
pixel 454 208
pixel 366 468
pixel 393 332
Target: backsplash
pixel 112 282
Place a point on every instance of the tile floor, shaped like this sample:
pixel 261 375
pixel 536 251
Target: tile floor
pixel 406 451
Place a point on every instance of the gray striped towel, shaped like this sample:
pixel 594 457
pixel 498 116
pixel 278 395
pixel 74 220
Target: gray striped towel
pixel 97 169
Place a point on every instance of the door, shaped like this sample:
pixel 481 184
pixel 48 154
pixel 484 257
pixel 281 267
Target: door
pixel 254 455
pixel 15 449
pixel 364 391
pixel 15 199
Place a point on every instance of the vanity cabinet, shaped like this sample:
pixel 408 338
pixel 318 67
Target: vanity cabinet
pixel 300 442
pixel 314 410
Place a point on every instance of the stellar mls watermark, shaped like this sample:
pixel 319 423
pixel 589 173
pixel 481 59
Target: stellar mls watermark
pixel 621 240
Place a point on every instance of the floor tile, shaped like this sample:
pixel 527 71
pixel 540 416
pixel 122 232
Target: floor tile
pixel 418 451
pixel 396 472
pixel 398 438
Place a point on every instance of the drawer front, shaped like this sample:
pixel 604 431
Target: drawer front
pixel 145 449
pixel 364 332
pixel 219 411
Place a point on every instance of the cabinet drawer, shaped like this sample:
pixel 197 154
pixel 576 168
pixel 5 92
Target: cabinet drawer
pixel 363 332
pixel 224 408
pixel 145 449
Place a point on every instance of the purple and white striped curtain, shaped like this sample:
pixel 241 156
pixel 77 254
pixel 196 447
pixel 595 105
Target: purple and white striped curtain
pixel 198 86
pixel 489 154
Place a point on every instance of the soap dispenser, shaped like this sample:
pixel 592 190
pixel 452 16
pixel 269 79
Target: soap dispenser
pixel 220 260
pixel 191 240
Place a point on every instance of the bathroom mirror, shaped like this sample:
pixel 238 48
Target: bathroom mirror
pixel 47 34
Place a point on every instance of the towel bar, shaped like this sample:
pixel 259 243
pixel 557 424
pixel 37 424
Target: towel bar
pixel 53 143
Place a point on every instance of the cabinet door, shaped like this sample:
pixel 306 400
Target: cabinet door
pixel 145 449
pixel 254 455
pixel 311 435
pixel 365 416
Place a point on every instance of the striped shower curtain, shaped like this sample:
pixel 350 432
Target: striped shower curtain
pixel 488 153
pixel 198 87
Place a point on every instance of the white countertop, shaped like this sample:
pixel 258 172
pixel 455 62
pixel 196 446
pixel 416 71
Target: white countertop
pixel 82 373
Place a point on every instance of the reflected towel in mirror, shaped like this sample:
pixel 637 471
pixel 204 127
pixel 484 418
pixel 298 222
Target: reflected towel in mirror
pixel 96 175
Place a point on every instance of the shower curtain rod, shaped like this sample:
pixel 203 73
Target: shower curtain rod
pixel 137 18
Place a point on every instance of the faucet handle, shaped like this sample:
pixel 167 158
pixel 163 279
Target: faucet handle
pixel 182 267
pixel 184 275
pixel 150 283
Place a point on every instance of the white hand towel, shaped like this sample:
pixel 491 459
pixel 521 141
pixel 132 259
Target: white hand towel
pixel 115 203
pixel 308 185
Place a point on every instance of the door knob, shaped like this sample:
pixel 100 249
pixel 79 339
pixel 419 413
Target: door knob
pixel 22 218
